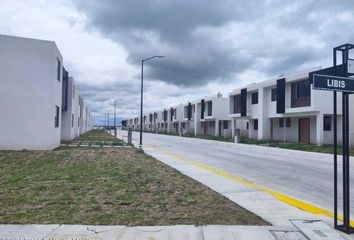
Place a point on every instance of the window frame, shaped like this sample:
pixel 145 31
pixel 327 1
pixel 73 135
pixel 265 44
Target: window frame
pixel 288 122
pixel 226 125
pixel 273 94
pixel 327 127
pixel 255 124
pixel 254 100
pixel 58 69
pixel 57 116
pixel 237 103
pixel 304 88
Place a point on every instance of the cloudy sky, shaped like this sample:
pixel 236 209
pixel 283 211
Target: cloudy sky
pixel 210 46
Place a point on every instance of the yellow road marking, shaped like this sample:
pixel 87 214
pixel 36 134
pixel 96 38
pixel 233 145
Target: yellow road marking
pixel 284 198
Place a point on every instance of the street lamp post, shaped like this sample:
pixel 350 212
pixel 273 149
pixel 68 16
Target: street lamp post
pixel 141 96
pixel 115 112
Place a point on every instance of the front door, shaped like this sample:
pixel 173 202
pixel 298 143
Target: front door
pixel 304 130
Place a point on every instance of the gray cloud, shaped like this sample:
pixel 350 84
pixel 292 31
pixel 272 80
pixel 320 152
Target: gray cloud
pixel 213 42
pixel 268 36
pixel 170 28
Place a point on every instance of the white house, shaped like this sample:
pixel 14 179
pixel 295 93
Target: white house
pixel 190 118
pixel 31 74
pixel 175 119
pixel 286 108
pixel 162 120
pixel 214 119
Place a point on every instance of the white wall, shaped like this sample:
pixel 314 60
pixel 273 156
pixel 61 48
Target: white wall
pixel 69 124
pixel 291 134
pixel 29 93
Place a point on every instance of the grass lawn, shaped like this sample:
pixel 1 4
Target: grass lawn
pixel 96 137
pixel 295 146
pixel 208 137
pixel 106 186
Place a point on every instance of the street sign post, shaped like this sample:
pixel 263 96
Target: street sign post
pixel 333 83
pixel 337 79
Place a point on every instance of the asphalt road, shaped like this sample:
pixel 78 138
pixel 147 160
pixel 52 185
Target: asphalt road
pixel 304 175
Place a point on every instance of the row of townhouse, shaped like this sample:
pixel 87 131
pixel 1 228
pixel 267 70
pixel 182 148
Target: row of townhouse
pixel 285 108
pixel 205 116
pixel 40 103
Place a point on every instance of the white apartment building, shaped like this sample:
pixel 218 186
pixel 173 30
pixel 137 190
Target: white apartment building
pixel 286 109
pixel 30 93
pixel 35 111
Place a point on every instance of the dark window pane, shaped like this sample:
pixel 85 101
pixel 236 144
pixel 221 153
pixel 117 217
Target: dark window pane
pixel 58 69
pixel 303 89
pixel 56 119
pixel 327 125
pixel 210 108
pixel 255 98
pixel 255 124
pixel 288 122
pixel 237 103
pixel 274 94
pixel 226 124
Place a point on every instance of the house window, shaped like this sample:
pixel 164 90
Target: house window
pixel 255 98
pixel 226 125
pixel 73 91
pixel 274 94
pixel 210 108
pixel 78 122
pixel 202 125
pixel 58 69
pixel 327 125
pixel 303 89
pixel 300 94
pixel 281 122
pixel 72 120
pixel 255 124
pixel 247 125
pixel 237 103
pixel 288 122
pixel 56 119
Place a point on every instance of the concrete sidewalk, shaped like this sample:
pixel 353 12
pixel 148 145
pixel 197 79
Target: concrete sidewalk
pixel 179 232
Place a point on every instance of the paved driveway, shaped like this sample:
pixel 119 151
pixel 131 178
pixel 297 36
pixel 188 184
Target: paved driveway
pixel 304 175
